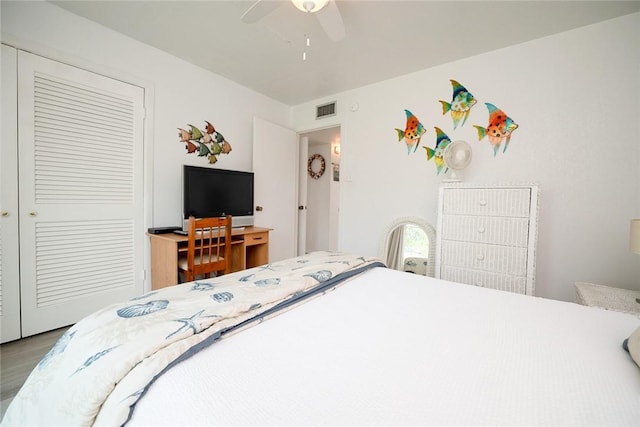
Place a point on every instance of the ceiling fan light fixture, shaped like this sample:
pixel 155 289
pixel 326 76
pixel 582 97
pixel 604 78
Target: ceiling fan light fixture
pixel 310 6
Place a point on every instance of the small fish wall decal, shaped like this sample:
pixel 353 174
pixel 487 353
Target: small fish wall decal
pixel 499 128
pixel 208 143
pixel 461 103
pixel 412 132
pixel 437 153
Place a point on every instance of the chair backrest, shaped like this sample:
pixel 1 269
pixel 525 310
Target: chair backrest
pixel 209 246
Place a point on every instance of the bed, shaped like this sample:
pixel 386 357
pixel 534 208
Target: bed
pixel 358 344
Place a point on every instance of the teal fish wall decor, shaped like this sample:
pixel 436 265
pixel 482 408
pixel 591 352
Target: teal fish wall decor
pixel 437 153
pixel 460 106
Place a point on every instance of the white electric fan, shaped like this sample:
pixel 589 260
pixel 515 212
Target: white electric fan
pixel 457 156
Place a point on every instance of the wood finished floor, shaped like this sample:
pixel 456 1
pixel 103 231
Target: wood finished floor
pixel 17 360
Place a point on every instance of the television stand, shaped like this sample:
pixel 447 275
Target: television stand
pixel 249 248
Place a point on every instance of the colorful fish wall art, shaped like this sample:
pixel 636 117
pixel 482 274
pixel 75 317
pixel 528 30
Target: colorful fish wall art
pixel 461 103
pixel 209 143
pixel 412 132
pixel 499 128
pixel 437 153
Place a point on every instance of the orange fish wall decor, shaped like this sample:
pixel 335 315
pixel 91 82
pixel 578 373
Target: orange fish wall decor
pixel 209 143
pixel 412 132
pixel 499 128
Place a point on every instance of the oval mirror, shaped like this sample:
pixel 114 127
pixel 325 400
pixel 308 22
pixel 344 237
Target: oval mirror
pixel 408 244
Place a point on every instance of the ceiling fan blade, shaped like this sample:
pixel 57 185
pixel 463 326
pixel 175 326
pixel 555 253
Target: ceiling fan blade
pixel 331 22
pixel 259 10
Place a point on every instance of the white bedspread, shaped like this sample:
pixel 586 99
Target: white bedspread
pixel 392 348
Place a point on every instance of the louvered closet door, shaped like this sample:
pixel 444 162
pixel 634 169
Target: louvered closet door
pixel 9 261
pixel 81 192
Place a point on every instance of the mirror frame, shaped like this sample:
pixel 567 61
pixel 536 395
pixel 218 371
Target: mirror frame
pixel 420 222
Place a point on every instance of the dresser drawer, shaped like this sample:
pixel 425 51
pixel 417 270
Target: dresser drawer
pixel 485 279
pixel 256 238
pixel 493 258
pixel 486 229
pixel 509 202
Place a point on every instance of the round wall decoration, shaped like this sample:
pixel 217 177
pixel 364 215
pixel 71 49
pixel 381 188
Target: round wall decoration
pixel 315 174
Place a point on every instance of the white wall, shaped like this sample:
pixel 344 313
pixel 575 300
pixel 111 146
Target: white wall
pixel 183 93
pixel 576 98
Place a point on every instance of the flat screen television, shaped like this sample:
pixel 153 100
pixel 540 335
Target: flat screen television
pixel 209 192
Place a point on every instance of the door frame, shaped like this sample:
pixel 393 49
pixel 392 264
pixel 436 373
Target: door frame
pixel 303 150
pixel 303 134
pixel 10 326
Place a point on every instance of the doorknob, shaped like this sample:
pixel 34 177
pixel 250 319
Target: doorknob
pixel 33 213
pixel 5 213
pixel 259 208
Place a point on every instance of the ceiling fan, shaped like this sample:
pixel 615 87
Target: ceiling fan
pixel 326 11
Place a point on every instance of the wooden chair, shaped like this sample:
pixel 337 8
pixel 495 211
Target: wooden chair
pixel 209 248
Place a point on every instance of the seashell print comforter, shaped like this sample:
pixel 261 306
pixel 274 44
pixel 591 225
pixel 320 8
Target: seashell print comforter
pixel 103 365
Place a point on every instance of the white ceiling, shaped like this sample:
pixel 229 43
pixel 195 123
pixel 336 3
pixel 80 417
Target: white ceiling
pixel 384 39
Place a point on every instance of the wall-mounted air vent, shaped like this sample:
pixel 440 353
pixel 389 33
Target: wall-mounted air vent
pixel 326 110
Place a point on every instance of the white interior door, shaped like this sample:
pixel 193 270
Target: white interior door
pixel 81 199
pixel 275 165
pixel 9 244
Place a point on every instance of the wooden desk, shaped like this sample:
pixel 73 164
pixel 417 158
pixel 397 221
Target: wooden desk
pixel 249 248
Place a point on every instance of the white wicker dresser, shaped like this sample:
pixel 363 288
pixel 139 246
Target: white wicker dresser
pixel 487 236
